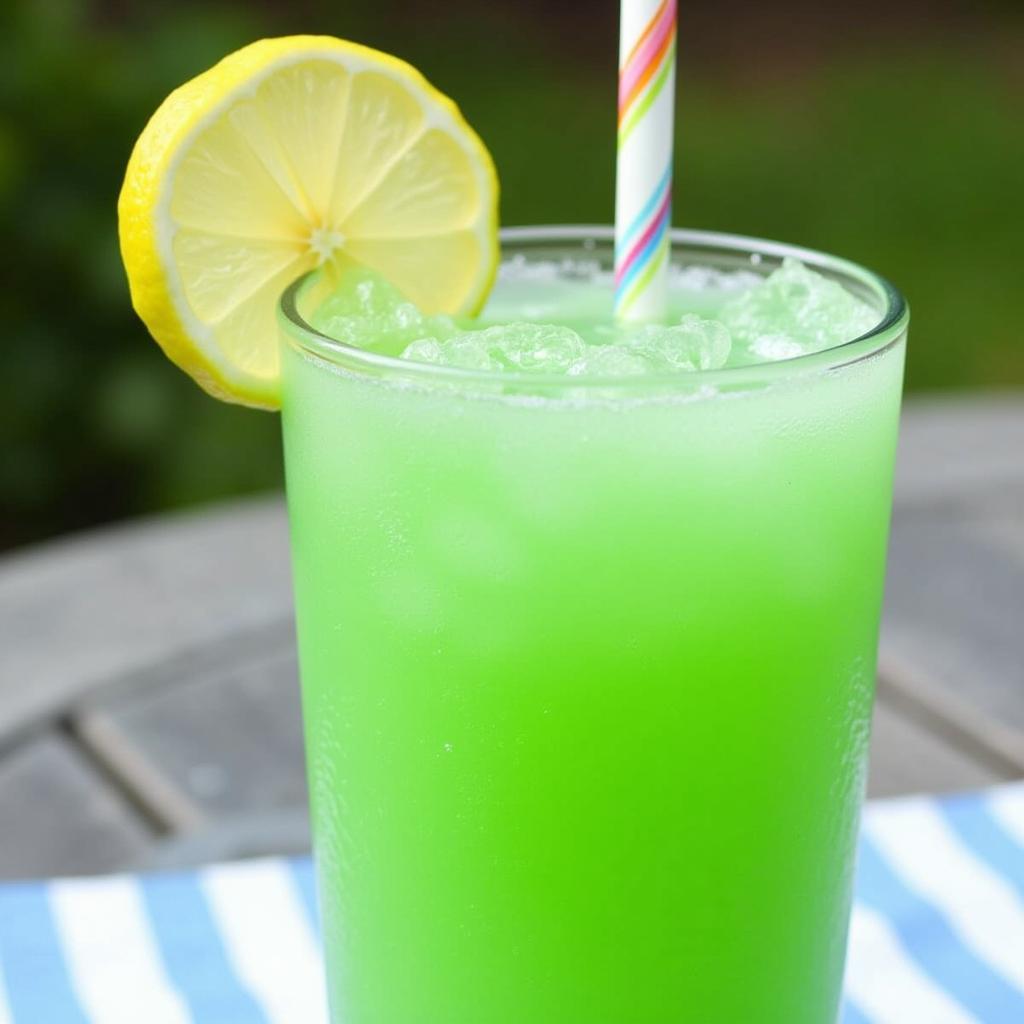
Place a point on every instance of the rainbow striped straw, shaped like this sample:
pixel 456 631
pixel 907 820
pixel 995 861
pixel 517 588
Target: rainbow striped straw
pixel 643 184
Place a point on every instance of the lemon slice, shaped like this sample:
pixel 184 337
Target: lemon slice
pixel 288 154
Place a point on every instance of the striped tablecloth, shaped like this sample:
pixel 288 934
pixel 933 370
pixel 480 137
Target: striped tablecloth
pixel 937 935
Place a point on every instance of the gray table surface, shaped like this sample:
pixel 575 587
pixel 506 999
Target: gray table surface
pixel 148 693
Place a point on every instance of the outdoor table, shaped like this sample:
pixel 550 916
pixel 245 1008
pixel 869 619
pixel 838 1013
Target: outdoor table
pixel 149 721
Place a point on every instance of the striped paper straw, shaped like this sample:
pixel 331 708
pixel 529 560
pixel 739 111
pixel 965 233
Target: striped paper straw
pixel 643 185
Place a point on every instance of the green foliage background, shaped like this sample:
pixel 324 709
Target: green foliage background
pixel 902 150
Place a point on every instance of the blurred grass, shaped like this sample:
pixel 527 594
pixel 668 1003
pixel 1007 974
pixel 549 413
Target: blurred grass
pixel 908 160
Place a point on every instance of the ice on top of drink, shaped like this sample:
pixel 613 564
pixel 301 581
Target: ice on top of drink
pixel 742 319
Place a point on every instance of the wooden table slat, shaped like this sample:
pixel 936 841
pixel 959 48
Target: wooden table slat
pixel 60 816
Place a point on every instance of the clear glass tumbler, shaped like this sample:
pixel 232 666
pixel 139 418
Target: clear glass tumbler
pixel 587 665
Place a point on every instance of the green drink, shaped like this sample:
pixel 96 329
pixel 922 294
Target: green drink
pixel 587 659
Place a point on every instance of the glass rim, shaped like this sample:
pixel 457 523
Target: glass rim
pixel 890 328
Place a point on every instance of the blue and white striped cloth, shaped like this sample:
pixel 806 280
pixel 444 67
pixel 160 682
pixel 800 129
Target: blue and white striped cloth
pixel 937 935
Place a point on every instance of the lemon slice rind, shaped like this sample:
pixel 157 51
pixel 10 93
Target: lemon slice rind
pixel 244 368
